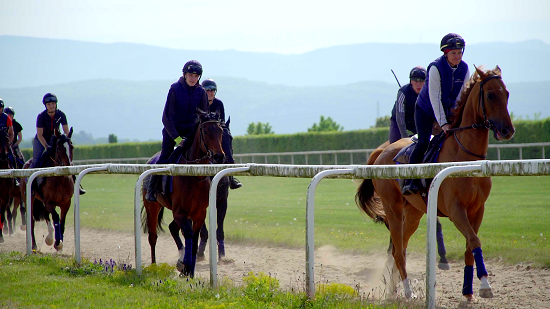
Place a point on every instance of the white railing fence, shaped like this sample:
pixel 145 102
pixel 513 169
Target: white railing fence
pixel 438 171
pixel 350 156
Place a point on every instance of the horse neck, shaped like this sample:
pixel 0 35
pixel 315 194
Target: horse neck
pixel 195 151
pixel 474 140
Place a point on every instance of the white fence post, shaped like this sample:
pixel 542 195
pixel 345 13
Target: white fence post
pixel 213 221
pixel 431 229
pixel 76 196
pixel 310 231
pixel 137 212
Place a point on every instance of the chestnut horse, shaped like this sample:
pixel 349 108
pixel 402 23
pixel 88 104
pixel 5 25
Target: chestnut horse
pixel 53 191
pixel 7 185
pixel 189 198
pixel 483 107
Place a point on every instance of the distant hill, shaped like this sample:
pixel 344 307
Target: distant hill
pixel 29 62
pixel 133 109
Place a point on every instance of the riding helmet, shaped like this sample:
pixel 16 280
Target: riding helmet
pixel 418 74
pixel 1 103
pixel 49 97
pixel 452 41
pixel 192 66
pixel 9 110
pixel 209 84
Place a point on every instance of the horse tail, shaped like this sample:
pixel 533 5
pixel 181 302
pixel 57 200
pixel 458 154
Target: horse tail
pixel 144 224
pixel 366 198
pixel 39 211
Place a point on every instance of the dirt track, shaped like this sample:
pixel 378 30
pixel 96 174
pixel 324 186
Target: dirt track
pixel 518 286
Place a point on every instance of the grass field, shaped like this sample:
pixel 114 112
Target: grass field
pixel 265 211
pixel 269 210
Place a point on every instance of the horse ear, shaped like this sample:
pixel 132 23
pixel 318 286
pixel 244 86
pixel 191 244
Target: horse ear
pixel 497 70
pixel 56 132
pixel 71 132
pixel 228 121
pixel 480 72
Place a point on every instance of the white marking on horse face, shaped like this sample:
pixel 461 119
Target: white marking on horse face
pixel 68 150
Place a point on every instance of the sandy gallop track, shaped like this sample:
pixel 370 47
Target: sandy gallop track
pixel 518 286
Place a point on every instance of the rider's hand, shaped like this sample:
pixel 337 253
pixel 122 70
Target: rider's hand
pixel 446 127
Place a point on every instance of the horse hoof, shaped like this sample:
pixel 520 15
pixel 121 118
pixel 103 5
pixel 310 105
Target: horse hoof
pixel 443 266
pixel 23 227
pixel 200 257
pixel 486 293
pixel 49 240
pixel 59 247
pixel 1 239
pixel 180 266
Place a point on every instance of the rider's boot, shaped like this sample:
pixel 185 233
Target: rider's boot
pixel 151 194
pixel 234 183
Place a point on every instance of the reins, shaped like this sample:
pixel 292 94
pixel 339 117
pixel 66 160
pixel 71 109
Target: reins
pixel 488 125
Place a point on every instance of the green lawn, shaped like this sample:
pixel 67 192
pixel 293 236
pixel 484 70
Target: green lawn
pixel 271 210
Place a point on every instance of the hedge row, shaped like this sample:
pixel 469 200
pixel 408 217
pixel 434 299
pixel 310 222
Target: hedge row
pixel 526 132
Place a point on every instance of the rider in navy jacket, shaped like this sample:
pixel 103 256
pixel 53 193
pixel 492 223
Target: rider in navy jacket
pixel 402 114
pixel 447 76
pixel 216 105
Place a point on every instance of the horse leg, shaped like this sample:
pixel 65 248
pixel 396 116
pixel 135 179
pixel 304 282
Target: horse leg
pixel 175 232
pixel 152 210
pixel 202 246
pixel 443 263
pixel 189 257
pixel 410 225
pixel 64 210
pixel 9 216
pixel 473 252
pixel 58 244
pixel 220 235
pixel 2 219
pixel 49 237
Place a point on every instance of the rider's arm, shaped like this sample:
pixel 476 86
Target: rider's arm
pixel 10 134
pixel 435 96
pixel 400 114
pixel 40 136
pixel 169 110
pixel 19 139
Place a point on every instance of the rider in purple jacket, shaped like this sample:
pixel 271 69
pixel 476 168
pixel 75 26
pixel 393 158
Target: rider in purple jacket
pixel 447 76
pixel 180 114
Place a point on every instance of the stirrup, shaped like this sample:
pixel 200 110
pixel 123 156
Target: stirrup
pixel 234 183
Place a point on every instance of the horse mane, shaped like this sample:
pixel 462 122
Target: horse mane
pixel 456 116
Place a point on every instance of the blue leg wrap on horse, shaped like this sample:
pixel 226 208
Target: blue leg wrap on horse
pixel 467 288
pixel 187 258
pixel 57 229
pixel 440 244
pixel 480 266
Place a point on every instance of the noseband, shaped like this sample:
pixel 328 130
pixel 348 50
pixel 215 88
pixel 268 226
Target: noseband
pixel 486 123
pixel 203 144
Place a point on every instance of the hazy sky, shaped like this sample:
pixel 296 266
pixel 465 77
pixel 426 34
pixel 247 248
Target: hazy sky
pixel 275 26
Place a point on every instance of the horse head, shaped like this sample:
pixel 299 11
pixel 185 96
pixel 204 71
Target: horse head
pixel 227 139
pixel 211 135
pixel 4 146
pixel 63 148
pixel 493 103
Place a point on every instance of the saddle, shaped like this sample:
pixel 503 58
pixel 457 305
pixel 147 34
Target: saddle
pixel 431 155
pixel 166 180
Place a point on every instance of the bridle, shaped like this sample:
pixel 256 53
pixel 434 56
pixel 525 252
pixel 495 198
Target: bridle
pixel 57 160
pixel 203 145
pixel 487 124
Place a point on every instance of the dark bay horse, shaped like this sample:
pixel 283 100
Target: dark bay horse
pixel 483 107
pixel 221 200
pixel 7 185
pixel 54 191
pixel 189 199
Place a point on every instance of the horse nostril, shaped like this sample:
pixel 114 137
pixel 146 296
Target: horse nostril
pixel 504 132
